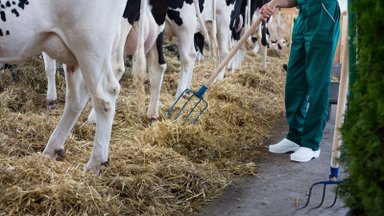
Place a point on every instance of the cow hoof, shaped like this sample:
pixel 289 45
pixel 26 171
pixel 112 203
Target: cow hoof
pixel 150 119
pixel 51 104
pixel 60 154
pixel 106 163
pixel 57 154
pixel 95 166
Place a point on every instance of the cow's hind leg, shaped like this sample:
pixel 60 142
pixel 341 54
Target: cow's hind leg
pixel 76 98
pixel 117 60
pixel 103 88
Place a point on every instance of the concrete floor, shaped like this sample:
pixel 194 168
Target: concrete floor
pixel 281 186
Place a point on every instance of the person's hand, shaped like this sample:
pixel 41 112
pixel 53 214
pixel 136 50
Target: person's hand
pixel 266 11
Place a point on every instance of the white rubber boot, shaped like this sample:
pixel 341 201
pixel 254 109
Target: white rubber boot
pixel 283 147
pixel 304 154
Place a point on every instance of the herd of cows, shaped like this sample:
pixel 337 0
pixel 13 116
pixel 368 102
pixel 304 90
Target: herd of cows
pixel 92 38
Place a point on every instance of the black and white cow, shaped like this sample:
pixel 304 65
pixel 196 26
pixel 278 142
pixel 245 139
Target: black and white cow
pixel 183 19
pixel 80 34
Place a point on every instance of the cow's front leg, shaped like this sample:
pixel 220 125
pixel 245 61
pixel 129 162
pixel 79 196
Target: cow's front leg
pixel 187 58
pixel 76 98
pixel 156 67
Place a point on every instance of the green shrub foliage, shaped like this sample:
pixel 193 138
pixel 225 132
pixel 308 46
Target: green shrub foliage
pixel 363 129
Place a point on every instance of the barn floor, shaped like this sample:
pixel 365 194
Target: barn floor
pixel 280 187
pixel 162 168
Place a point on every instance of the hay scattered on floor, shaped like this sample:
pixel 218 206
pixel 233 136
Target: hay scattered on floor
pixel 162 168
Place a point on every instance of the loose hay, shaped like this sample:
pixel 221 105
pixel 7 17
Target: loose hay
pixel 156 169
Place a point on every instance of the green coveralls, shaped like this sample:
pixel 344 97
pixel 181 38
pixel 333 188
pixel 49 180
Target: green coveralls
pixel 314 41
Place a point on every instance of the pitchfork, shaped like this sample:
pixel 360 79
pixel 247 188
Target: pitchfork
pixel 337 142
pixel 190 95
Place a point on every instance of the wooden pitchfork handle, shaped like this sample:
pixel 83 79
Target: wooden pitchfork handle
pixel 230 55
pixel 341 106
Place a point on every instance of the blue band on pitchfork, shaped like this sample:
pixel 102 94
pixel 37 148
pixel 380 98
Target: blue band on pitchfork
pixel 334 173
pixel 201 91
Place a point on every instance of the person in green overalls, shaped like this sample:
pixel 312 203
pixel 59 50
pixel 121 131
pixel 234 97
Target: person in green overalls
pixel 314 41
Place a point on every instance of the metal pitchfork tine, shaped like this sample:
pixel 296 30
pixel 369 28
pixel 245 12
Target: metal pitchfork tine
pixel 337 142
pixel 199 94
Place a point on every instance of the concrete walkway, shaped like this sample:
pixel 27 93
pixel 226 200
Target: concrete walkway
pixel 281 186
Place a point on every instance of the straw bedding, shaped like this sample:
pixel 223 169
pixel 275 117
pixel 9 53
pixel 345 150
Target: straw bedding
pixel 163 168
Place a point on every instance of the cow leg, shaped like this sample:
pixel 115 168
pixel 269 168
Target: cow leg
pixel 223 36
pixel 156 67
pixel 76 98
pixel 103 88
pixel 117 59
pixel 187 58
pixel 50 71
pixel 238 58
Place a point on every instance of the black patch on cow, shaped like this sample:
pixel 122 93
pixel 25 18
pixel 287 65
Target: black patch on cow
pixel 235 19
pixel 229 2
pixel 159 10
pixel 175 16
pixel 2 16
pixel 132 11
pixel 22 3
pixel 178 4
pixel 10 7
pixel 159 46
pixel 6 32
pixel 239 9
pixel 199 42
pixel 264 34
pixel 14 11
pixel 201 5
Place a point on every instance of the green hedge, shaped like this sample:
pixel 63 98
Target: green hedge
pixel 363 129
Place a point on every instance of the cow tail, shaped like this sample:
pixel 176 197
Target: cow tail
pixel 139 64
